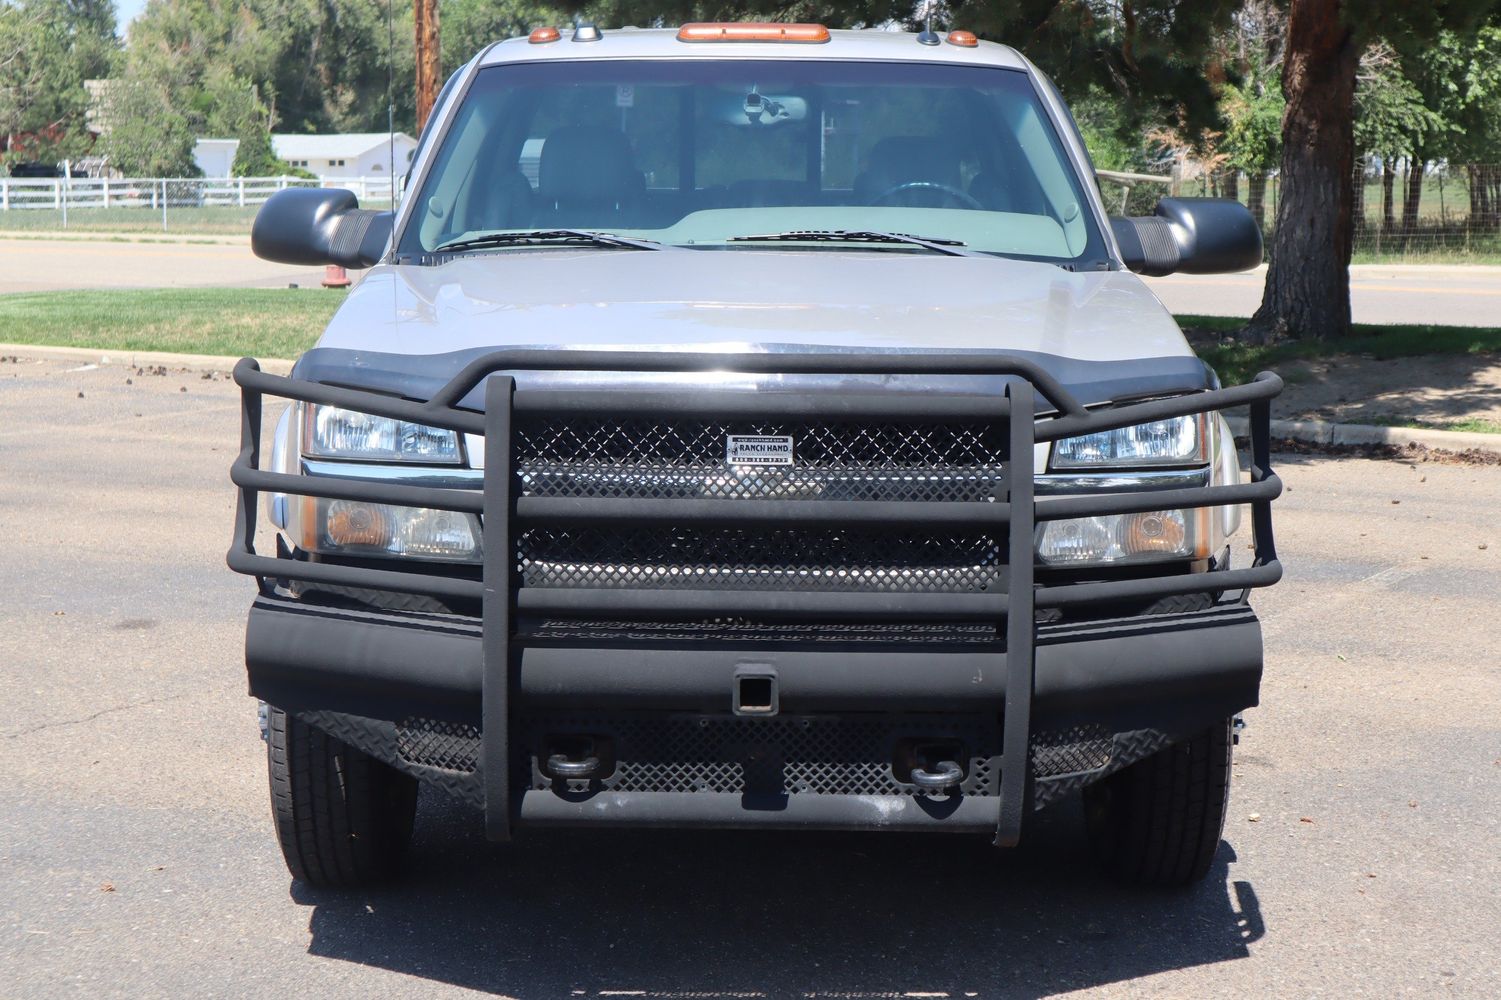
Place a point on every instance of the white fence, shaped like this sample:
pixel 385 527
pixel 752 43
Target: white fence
pixel 64 194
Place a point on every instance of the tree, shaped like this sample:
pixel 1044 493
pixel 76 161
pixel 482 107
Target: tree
pixel 147 136
pixel 1308 284
pixel 47 49
pixel 1252 105
pixel 239 114
pixel 1391 119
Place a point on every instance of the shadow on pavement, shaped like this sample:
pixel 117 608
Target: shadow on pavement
pixel 719 914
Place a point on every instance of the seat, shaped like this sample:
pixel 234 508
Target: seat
pixel 909 159
pixel 1002 193
pixel 771 194
pixel 505 203
pixel 587 177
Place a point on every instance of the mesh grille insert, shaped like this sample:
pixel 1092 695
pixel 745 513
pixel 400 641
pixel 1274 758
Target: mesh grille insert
pixel 745 630
pixel 790 755
pixel 676 459
pixel 774 559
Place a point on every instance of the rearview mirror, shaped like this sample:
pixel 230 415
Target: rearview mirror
pixel 319 226
pixel 1191 235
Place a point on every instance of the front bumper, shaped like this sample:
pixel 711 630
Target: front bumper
pixel 407 688
pixel 565 726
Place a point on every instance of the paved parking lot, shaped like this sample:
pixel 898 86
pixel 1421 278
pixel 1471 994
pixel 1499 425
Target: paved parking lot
pixel 1361 858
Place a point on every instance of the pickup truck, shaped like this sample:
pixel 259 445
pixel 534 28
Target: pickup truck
pixel 752 426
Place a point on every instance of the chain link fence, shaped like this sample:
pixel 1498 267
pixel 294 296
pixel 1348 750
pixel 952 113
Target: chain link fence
pixel 201 205
pixel 1443 213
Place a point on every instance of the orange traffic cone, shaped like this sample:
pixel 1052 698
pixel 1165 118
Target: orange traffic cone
pixel 335 276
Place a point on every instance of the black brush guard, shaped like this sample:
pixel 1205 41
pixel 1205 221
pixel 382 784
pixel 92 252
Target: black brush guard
pixel 503 512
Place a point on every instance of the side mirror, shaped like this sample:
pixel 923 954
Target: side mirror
pixel 1192 235
pixel 319 226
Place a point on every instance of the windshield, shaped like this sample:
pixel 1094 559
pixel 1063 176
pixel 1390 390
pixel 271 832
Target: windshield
pixel 703 153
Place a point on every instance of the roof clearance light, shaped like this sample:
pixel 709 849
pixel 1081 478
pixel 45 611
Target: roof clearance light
pixel 544 35
pixel 754 31
pixel 964 38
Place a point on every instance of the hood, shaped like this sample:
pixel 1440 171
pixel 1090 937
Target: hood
pixel 1102 333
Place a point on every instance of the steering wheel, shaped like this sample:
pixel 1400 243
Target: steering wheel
pixel 949 192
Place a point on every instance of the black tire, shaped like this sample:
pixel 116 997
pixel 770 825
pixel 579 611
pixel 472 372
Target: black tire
pixel 344 819
pixel 1159 821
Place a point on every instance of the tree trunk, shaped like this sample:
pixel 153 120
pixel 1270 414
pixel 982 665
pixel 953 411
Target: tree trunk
pixel 1388 212
pixel 1357 211
pixel 1308 285
pixel 1256 198
pixel 1477 197
pixel 1411 197
pixel 1230 185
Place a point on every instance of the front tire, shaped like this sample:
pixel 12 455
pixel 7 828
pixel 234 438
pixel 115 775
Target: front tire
pixel 1159 821
pixel 344 819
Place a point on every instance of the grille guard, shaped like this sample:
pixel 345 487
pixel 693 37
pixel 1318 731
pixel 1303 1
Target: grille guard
pixel 502 511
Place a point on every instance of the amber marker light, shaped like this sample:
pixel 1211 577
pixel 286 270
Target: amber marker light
pixel 753 31
pixel 966 39
pixel 544 35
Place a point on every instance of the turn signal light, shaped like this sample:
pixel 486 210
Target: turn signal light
pixel 964 38
pixel 544 35
pixel 753 31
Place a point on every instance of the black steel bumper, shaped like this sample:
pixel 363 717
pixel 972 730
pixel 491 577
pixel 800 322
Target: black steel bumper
pixel 478 705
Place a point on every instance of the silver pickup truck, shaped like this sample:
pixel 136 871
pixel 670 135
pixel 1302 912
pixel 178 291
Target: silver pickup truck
pixel 754 426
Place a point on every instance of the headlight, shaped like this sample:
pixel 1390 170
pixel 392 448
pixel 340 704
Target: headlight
pixel 1175 441
pixel 361 528
pixel 332 432
pixel 1115 539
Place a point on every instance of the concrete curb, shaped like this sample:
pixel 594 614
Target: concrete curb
pixel 1320 432
pixel 139 359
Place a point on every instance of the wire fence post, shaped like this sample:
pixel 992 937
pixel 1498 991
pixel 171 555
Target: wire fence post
pixel 164 204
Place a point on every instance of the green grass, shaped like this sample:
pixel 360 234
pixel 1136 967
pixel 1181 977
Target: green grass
pixel 1238 362
pixel 204 220
pixel 219 220
pixel 264 322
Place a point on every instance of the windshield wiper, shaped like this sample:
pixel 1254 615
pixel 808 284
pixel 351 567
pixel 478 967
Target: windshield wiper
pixel 944 246
pixel 544 237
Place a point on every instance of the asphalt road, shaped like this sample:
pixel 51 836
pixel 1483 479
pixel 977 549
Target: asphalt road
pixel 42 265
pixel 1462 296
pixel 137 859
pixel 1379 293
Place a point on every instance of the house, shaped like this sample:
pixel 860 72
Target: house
pixel 345 155
pixel 215 157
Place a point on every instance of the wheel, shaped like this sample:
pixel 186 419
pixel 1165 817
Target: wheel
pixel 344 819
pixel 1158 822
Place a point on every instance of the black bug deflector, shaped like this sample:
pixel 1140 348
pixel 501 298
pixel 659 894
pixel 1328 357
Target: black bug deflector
pixel 518 670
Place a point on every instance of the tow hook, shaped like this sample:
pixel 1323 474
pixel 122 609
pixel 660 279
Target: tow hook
pixel 573 758
pixel 946 774
pixel 934 766
pixel 564 767
pixel 1237 725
